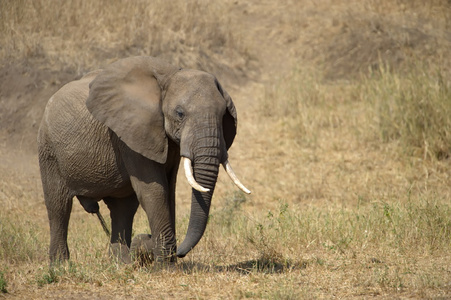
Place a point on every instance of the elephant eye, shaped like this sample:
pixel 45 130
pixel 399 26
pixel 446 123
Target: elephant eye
pixel 179 112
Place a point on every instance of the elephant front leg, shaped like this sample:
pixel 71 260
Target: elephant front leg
pixel 155 200
pixel 122 212
pixel 150 183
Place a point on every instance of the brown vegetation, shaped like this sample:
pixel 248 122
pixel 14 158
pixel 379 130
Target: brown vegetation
pixel 344 138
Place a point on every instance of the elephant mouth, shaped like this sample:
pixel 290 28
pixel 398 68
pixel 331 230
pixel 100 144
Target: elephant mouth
pixel 187 164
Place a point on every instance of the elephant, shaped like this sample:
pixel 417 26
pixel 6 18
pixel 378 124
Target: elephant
pixel 119 134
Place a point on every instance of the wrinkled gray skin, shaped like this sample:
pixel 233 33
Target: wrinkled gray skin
pixel 117 135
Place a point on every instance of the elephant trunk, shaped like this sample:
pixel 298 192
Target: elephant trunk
pixel 207 157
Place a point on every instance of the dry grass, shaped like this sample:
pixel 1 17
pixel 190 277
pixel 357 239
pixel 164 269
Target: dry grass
pixel 344 139
pixel 82 35
pixel 413 108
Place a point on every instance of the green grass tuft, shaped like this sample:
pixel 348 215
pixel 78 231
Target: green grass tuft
pixel 3 283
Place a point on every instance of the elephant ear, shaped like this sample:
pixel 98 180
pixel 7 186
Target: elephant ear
pixel 229 121
pixel 126 97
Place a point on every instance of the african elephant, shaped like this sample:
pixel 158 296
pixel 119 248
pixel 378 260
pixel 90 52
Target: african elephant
pixel 118 135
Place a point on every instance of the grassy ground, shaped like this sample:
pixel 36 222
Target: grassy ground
pixel 344 139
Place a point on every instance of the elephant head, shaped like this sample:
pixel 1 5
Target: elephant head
pixel 151 105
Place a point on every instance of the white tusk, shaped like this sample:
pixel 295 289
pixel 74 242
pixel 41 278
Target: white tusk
pixel 235 179
pixel 190 177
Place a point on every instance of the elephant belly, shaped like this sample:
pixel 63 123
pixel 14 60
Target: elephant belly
pixel 95 177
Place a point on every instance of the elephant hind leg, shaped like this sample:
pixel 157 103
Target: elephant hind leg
pixel 122 212
pixel 58 201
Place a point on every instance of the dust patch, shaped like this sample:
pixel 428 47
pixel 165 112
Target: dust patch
pixel 24 91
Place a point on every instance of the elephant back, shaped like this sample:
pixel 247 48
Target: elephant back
pixel 66 111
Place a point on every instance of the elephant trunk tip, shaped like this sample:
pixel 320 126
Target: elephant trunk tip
pixel 181 254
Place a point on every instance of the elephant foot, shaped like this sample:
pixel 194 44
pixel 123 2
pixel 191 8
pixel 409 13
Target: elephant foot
pixel 141 249
pixel 120 252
